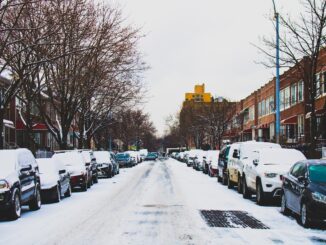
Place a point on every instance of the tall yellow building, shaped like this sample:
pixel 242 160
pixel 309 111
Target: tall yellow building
pixel 199 94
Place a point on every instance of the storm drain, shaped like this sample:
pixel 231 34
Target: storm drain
pixel 231 219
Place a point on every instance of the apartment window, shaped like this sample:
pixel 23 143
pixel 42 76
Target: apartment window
pixel 318 87
pixel 294 90
pixel 37 138
pixel 300 91
pixel 251 113
pixel 287 97
pixel 259 109
pixel 268 111
pixel 282 105
pixel 300 125
pixel 263 107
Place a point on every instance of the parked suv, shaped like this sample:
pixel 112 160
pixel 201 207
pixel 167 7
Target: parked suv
pixel 304 191
pixel 262 176
pixel 104 164
pixel 241 157
pixel 19 182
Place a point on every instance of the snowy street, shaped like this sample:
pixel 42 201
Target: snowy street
pixel 153 203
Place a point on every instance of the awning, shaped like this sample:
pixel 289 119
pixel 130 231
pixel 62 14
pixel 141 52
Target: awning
pixel 244 110
pixel 8 123
pixel 37 126
pixel 290 120
pixel 264 125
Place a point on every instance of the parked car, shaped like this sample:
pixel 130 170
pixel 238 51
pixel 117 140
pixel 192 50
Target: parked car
pixel 55 179
pixel 104 164
pixel 91 164
pixel 190 161
pixel 262 176
pixel 152 156
pixel 304 191
pixel 143 153
pixel 124 159
pixel 80 175
pixel 242 156
pixel 19 182
pixel 224 157
pixel 212 160
pixel 116 167
pixel 199 160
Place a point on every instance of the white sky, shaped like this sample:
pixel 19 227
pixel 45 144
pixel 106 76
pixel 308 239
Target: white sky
pixel 209 41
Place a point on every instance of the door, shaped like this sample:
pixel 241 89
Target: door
pixel 26 176
pixel 251 170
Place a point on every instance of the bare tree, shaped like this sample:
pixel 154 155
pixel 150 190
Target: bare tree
pixel 300 46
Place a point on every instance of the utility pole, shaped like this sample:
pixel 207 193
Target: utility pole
pixel 277 82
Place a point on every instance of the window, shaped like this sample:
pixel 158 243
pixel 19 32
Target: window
pixel 259 109
pixel 37 138
pixel 263 107
pixel 298 170
pixel 271 104
pixel 282 104
pixel 267 106
pixel 300 91
pixel 294 90
pixel 251 113
pixel 300 125
pixel 287 97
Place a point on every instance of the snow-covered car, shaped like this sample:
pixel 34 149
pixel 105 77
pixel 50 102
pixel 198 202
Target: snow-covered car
pixel 55 179
pixel 114 162
pixel 241 157
pixel 77 168
pixel 151 156
pixel 19 182
pixel 91 164
pixel 104 164
pixel 190 160
pixel 263 174
pixel 212 160
pixel 134 156
pixel 143 153
pixel 199 160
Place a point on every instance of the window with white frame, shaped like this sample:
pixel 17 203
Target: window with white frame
pixel 294 90
pixel 282 104
pixel 287 97
pixel 300 125
pixel 263 107
pixel 300 91
pixel 252 113
pixel 259 109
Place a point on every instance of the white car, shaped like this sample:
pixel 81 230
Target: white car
pixel 55 179
pixel 241 157
pixel 191 157
pixel 263 174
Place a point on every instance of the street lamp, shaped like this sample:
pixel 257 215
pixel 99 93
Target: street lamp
pixel 277 84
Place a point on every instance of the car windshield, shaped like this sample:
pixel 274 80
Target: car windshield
pixel 122 156
pixel 69 158
pixel 102 156
pixel 46 166
pixel 7 164
pixel 317 173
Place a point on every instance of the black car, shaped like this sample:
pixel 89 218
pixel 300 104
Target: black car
pixel 223 165
pixel 19 182
pixel 304 191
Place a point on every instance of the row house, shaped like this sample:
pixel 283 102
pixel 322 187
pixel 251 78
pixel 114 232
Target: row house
pixel 255 117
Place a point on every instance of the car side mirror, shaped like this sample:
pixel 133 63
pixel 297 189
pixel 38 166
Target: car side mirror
pixel 87 164
pixel 302 179
pixel 62 171
pixel 255 162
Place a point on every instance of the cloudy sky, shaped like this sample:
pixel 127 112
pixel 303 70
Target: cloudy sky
pixel 191 42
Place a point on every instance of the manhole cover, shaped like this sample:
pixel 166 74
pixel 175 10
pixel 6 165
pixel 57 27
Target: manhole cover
pixel 231 219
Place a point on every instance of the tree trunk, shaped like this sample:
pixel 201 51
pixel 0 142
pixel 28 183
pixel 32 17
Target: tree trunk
pixel 1 129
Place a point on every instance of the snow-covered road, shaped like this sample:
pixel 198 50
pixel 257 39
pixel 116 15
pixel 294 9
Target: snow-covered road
pixel 152 203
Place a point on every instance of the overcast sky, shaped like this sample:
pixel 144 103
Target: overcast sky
pixel 191 42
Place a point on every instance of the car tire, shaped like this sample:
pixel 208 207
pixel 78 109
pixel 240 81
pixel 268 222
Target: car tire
pixel 35 203
pixel 57 193
pixel 260 195
pixel 245 191
pixel 239 186
pixel 230 184
pixel 15 209
pixel 284 209
pixel 305 220
pixel 224 179
pixel 68 192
